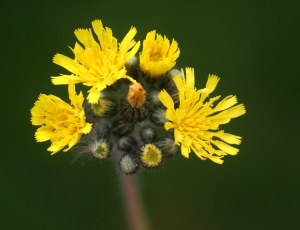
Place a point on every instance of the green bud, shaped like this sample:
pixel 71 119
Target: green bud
pixel 148 134
pixel 106 107
pixel 158 116
pixel 167 146
pixel 121 127
pixel 128 164
pixel 127 144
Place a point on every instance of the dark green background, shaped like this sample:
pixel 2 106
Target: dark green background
pixel 252 45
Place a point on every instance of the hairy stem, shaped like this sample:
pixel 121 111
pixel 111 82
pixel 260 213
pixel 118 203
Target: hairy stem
pixel 134 209
pixel 133 205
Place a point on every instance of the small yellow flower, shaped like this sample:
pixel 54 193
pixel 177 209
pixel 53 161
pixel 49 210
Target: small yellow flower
pixel 158 56
pixel 195 122
pixel 151 155
pixel 97 65
pixel 62 123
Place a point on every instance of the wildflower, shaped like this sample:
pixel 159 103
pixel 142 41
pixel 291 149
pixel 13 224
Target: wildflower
pixel 62 123
pixel 151 155
pixel 158 56
pixel 195 122
pixel 97 65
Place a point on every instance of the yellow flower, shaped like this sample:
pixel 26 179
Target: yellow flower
pixel 151 155
pixel 62 123
pixel 195 123
pixel 97 65
pixel 158 56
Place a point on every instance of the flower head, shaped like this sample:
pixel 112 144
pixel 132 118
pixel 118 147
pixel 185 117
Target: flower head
pixel 97 65
pixel 62 123
pixel 158 56
pixel 151 156
pixel 195 122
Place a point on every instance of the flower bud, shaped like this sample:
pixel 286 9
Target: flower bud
pixel 167 146
pixel 158 116
pixel 132 67
pixel 101 148
pixel 106 107
pixel 121 127
pixel 127 144
pixel 102 128
pixel 148 134
pixel 135 107
pixel 128 163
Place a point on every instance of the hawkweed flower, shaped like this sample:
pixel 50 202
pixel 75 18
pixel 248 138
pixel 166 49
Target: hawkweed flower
pixel 139 108
pixel 61 123
pixel 196 122
pixel 97 65
pixel 151 155
pixel 142 110
pixel 158 55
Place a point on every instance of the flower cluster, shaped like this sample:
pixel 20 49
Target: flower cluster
pixel 139 108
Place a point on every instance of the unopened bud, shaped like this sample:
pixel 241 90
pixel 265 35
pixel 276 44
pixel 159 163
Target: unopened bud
pixel 127 144
pixel 128 163
pixel 136 95
pixel 148 134
pixel 132 67
pixel 106 107
pixel 135 107
pixel 167 146
pixel 158 116
pixel 121 127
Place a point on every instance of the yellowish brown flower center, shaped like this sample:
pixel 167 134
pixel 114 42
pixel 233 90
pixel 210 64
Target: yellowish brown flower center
pixel 156 55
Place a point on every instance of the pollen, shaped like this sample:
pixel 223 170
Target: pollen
pixel 151 155
pixel 136 95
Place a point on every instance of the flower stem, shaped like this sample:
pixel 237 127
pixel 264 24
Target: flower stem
pixel 135 213
pixel 133 206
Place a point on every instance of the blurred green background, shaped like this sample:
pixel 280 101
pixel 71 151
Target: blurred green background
pixel 252 45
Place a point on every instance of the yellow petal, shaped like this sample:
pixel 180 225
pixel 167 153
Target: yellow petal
pixel 236 111
pixel 185 151
pixel 212 83
pixel 87 128
pixel 231 139
pixel 61 80
pixel 226 103
pixel 166 99
pixel 225 147
pixel 65 62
